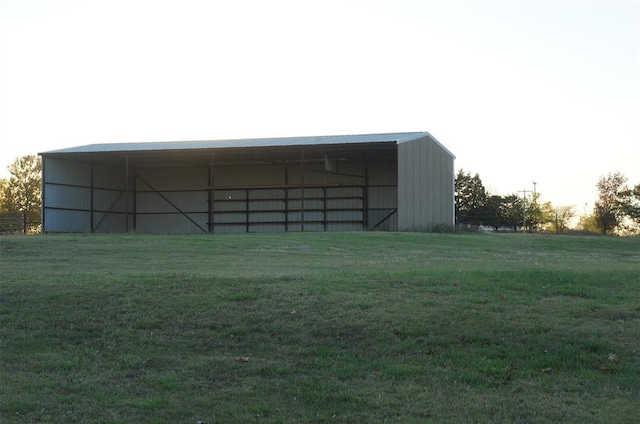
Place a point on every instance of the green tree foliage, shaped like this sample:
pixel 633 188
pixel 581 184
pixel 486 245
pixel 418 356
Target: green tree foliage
pixel 511 211
pixel 4 183
pixel 491 212
pixel 610 208
pixel 588 223
pixel 22 191
pixel 616 210
pixel 502 212
pixel 533 213
pixel 631 203
pixel 530 213
pixel 471 197
pixel 561 217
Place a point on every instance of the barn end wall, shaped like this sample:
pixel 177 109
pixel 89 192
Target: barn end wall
pixel 425 186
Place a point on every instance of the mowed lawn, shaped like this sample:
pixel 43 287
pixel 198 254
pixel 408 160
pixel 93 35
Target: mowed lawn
pixel 320 328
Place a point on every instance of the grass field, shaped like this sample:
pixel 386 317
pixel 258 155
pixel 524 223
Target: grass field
pixel 320 328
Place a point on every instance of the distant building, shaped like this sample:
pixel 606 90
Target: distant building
pixel 392 182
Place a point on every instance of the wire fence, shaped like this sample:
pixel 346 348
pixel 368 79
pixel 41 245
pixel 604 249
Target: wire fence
pixel 18 223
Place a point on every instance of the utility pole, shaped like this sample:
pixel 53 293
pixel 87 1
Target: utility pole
pixel 524 208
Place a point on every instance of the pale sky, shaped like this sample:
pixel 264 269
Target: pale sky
pixel 520 91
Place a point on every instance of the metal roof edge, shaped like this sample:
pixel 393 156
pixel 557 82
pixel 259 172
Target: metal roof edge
pixel 441 145
pixel 397 138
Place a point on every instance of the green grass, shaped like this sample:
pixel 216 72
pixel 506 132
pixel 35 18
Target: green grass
pixel 337 328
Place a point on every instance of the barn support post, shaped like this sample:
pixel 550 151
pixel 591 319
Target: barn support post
pixel 324 209
pixel 365 196
pixel 42 191
pixel 247 206
pixel 91 205
pixel 286 196
pixel 210 223
pixel 134 201
pixel 302 190
pixel 126 192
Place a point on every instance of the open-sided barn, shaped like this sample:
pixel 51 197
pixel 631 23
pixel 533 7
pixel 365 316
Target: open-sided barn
pixel 394 182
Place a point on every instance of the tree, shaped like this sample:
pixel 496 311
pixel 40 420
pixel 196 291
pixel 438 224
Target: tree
pixel 631 203
pixel 588 223
pixel 4 183
pixel 534 214
pixel 490 212
pixel 547 217
pixel 470 198
pixel 22 191
pixel 511 211
pixel 610 207
pixel 502 211
pixel 562 215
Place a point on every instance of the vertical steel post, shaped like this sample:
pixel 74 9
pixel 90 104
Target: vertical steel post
pixel 365 196
pixel 91 205
pixel 134 200
pixel 286 196
pixel 302 190
pixel 210 224
pixel 42 195
pixel 126 192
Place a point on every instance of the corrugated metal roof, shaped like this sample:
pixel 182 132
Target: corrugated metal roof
pixel 253 142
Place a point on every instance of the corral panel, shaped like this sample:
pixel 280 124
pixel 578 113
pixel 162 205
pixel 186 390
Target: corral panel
pixel 309 193
pixel 266 205
pixel 346 215
pixel 295 217
pixel 308 227
pixel 226 218
pixel 268 217
pixel 230 206
pixel 308 204
pixel 347 203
